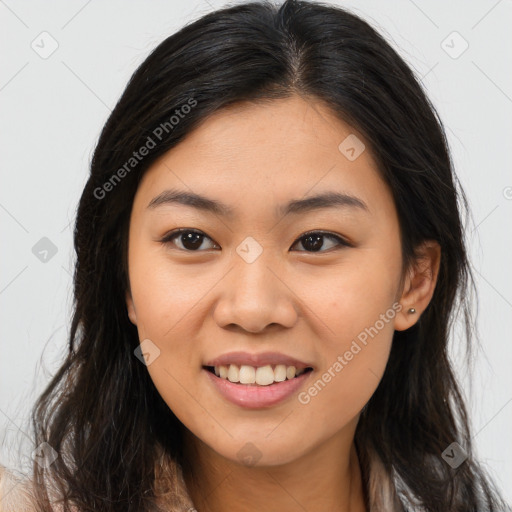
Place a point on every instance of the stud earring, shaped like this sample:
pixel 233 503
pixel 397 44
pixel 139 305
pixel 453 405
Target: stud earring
pixel 411 311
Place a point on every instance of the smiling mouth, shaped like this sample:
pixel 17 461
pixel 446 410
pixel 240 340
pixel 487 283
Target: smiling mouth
pixel 256 376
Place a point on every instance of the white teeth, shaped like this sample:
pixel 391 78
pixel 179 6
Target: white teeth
pixel 233 373
pixel 290 372
pixel 262 375
pixel 280 373
pixel 247 375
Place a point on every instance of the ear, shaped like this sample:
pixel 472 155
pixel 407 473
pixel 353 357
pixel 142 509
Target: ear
pixel 419 284
pixel 131 308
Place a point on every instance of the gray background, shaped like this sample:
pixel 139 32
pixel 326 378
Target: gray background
pixel 52 110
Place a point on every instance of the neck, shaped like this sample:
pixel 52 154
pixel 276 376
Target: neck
pixel 326 478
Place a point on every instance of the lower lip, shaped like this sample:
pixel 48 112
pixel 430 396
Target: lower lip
pixel 255 396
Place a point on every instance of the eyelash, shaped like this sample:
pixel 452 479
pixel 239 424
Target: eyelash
pixel 169 237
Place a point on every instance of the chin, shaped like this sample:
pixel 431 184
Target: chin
pixel 259 454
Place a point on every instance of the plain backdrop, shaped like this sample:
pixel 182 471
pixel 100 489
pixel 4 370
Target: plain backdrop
pixel 63 66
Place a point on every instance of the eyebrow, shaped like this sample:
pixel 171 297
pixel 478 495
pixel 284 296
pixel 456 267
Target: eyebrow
pixel 296 206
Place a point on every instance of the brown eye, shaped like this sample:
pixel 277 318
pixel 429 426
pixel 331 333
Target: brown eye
pixel 188 240
pixel 314 241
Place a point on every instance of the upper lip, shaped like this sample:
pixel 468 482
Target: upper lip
pixel 262 359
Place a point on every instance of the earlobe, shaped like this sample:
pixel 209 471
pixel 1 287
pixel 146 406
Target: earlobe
pixel 419 285
pixel 131 308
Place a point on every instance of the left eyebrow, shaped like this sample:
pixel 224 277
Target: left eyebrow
pixel 325 200
pixel 296 206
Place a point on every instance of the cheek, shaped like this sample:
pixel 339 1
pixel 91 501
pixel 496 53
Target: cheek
pixel 354 356
pixel 171 304
pixel 353 361
pixel 166 294
pixel 351 296
pixel 355 308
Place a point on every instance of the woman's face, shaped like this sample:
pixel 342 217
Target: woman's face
pixel 247 279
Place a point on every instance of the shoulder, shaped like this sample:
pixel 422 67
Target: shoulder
pixel 15 492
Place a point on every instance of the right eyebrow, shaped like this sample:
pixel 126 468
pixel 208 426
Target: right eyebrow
pixel 191 199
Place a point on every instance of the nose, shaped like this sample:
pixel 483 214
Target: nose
pixel 253 297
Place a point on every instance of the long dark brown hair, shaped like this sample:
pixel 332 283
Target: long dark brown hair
pixel 101 411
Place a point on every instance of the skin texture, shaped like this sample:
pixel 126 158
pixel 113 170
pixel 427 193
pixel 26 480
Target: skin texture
pixel 197 305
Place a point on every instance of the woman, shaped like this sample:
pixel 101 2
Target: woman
pixel 269 253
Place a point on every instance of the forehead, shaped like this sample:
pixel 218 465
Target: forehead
pixel 291 127
pixel 267 153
